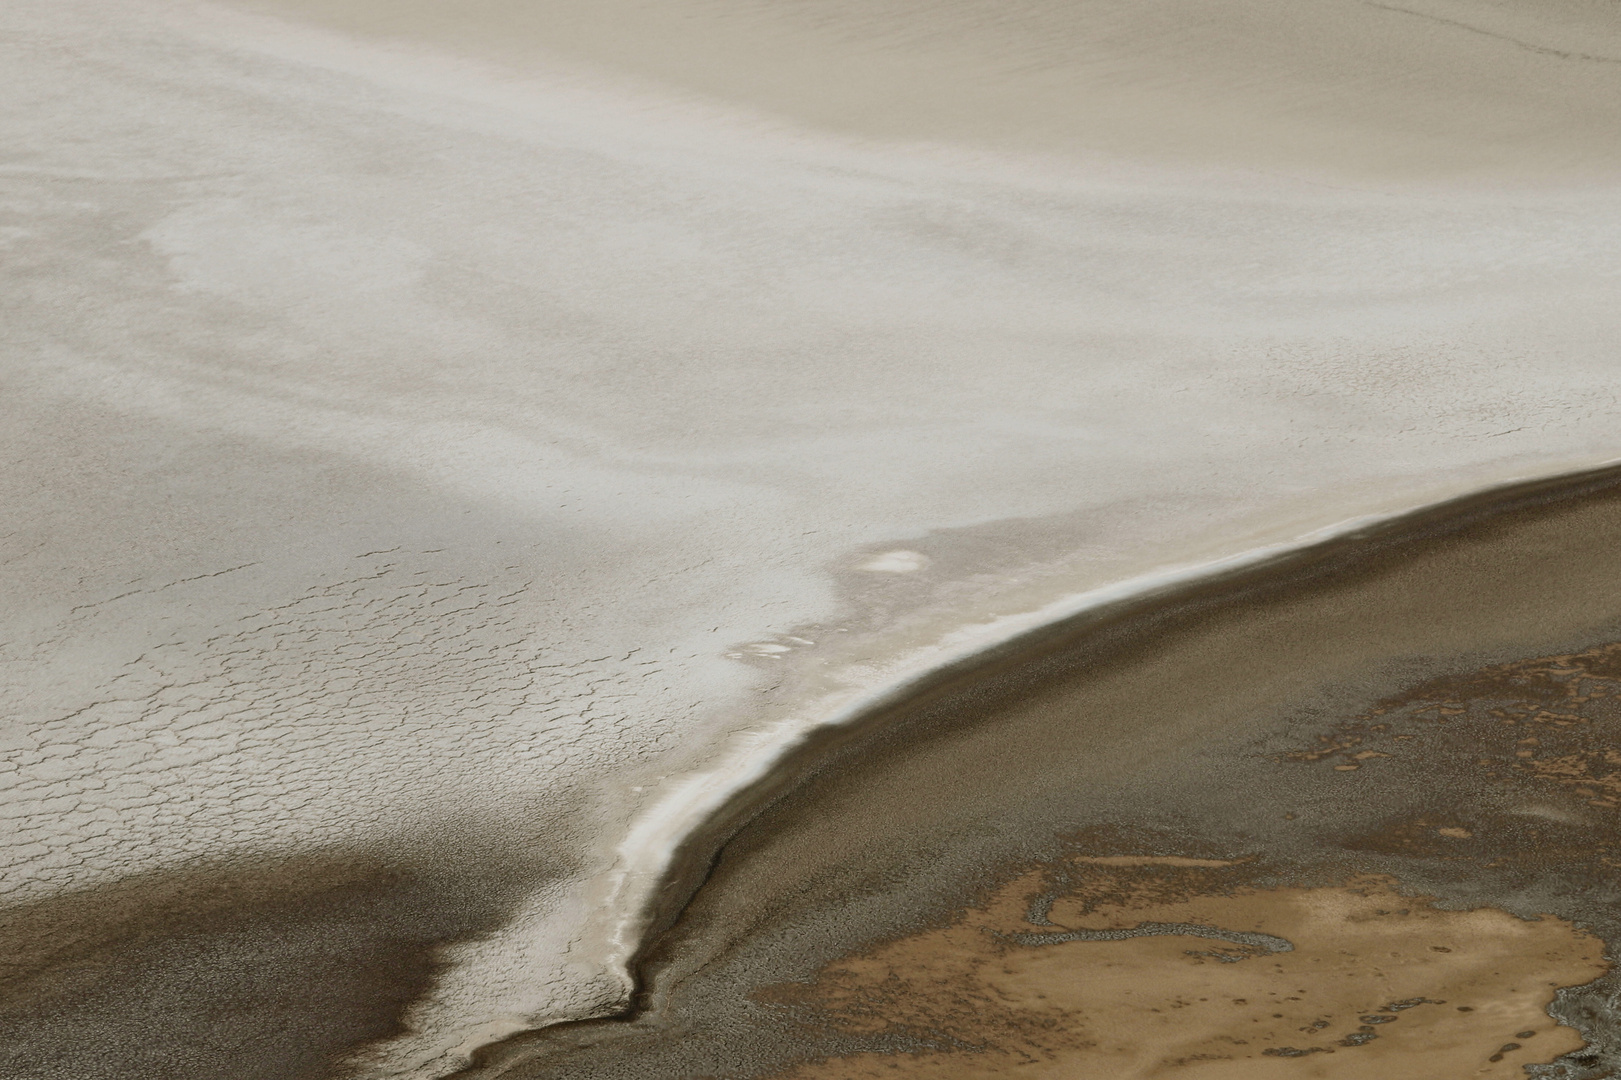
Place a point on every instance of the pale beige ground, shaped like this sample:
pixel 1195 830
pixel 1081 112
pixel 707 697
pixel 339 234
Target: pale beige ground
pixel 1445 993
pixel 1415 88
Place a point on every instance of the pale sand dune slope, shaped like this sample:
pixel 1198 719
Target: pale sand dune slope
pixel 421 463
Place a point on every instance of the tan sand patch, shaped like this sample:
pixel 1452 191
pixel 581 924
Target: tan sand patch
pixel 1340 982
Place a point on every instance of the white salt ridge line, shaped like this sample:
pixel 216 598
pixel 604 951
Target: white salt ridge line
pixel 648 850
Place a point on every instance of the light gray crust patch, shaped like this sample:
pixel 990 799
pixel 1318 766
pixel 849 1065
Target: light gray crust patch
pixel 1269 943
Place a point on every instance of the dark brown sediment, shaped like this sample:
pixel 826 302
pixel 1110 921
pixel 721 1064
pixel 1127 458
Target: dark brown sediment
pixel 1161 727
pixel 269 966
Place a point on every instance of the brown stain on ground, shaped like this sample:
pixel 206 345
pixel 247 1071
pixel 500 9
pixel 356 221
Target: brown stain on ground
pixel 1377 983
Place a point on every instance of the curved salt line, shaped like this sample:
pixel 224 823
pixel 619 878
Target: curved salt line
pixel 647 853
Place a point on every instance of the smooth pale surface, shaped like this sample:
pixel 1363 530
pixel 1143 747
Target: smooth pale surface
pixel 409 446
pixel 1412 88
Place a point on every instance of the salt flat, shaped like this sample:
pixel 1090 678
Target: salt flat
pixel 433 441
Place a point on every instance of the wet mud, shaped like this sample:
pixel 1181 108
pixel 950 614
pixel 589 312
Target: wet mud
pixel 1350 816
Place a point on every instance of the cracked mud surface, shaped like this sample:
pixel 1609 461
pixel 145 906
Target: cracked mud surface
pixel 1365 812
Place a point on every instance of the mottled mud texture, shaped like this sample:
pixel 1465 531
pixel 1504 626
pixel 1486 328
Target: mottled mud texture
pixel 1364 806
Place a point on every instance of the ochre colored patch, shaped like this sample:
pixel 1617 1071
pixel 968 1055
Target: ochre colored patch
pixel 1235 983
